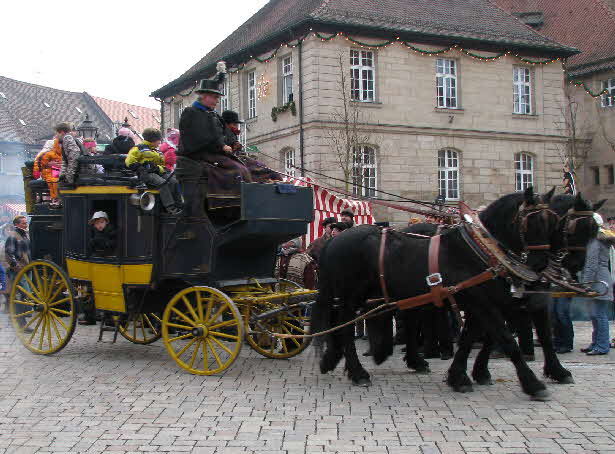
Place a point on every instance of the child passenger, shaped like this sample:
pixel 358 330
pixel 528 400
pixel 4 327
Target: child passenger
pixel 102 235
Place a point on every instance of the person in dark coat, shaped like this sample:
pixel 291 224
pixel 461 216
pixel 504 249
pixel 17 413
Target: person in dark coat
pixel 315 247
pixel 122 143
pixel 348 217
pixel 259 172
pixel 102 235
pixel 206 165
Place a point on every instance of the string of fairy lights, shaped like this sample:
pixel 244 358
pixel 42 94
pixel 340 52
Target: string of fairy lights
pixel 365 45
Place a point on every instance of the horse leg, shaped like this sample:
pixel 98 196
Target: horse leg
pixel 333 353
pixel 413 359
pixel 457 377
pixel 380 335
pixel 493 322
pixel 480 371
pixel 354 368
pixel 552 367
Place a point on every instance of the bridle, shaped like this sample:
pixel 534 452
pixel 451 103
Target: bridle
pixel 569 222
pixel 522 218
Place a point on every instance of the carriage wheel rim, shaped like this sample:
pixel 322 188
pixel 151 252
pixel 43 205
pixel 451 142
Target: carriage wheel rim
pixel 202 330
pixel 142 328
pixel 41 307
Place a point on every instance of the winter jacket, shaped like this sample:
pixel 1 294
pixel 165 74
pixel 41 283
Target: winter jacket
pixel 201 132
pixel 51 163
pixel 70 155
pixel 3 287
pixel 315 248
pixel 36 169
pixel 102 242
pixel 597 265
pixel 170 157
pixel 144 157
pixel 120 145
pixel 17 249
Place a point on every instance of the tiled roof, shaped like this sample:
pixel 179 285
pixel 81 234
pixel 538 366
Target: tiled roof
pixel 465 21
pixel 139 117
pixel 588 25
pixel 28 102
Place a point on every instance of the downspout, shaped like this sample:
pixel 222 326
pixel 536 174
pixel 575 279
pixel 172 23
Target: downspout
pixel 301 151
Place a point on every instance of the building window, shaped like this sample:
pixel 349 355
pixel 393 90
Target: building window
pixel 522 89
pixel 2 163
pixel 448 174
pixel 446 83
pixel 362 73
pixel 289 162
pixel 179 108
pixel 608 99
pixel 524 171
pixel 596 175
pixel 610 174
pixel 252 94
pixel 224 100
pixel 287 79
pixel 364 171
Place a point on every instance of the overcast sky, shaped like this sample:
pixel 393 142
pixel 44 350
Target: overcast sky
pixel 120 50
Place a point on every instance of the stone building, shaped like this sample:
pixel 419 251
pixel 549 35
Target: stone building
pixel 454 98
pixel 590 27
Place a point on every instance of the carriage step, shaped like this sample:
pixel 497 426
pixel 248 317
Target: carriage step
pixel 104 326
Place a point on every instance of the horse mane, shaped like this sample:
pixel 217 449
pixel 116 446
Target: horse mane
pixel 498 218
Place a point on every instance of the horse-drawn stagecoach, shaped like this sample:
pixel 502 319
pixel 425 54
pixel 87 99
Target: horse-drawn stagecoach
pixel 199 286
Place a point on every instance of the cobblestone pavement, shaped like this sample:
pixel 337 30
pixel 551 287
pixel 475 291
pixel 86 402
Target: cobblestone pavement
pixel 99 397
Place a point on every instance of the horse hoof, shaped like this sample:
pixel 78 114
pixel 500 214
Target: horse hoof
pixel 567 380
pixel 463 389
pixel 484 382
pixel 542 396
pixel 363 382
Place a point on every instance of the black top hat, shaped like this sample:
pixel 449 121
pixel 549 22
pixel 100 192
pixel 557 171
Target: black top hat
pixel 209 86
pixel 230 116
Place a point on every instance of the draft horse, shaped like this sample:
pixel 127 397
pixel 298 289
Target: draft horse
pixel 352 264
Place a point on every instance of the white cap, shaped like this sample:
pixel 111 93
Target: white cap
pixel 598 219
pixel 99 215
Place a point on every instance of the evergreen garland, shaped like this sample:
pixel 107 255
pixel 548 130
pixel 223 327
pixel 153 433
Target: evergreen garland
pixel 290 105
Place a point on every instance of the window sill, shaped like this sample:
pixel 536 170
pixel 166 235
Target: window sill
pixel 525 116
pixel 369 104
pixel 251 120
pixel 448 110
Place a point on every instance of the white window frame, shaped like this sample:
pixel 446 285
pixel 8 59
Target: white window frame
pixel 289 162
pixel 224 100
pixel 447 87
pixel 524 171
pixel 522 90
pixel 2 163
pixel 608 100
pixel 449 173
pixel 179 108
pixel 252 94
pixel 364 171
pixel 363 75
pixel 287 78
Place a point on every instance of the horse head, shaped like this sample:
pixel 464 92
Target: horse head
pixel 575 229
pixel 523 223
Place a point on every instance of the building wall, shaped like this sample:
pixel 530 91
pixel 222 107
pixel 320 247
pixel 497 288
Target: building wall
pixel 404 125
pixel 11 181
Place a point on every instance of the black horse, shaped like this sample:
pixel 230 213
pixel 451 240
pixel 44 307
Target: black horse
pixel 568 244
pixel 349 276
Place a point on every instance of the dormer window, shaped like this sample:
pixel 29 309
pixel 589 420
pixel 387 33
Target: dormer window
pixel 23 123
pixel 134 115
pixel 78 109
pixel 2 95
pixel 46 104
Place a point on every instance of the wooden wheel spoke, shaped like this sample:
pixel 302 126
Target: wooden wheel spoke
pixel 42 337
pixel 186 347
pixel 63 300
pixel 59 320
pixel 190 309
pixel 55 328
pixel 59 286
pixel 224 324
pixel 61 311
pixel 50 282
pixel 272 344
pixel 26 303
pixel 23 314
pixel 214 352
pixel 143 329
pixel 185 336
pixel 295 341
pixel 218 312
pixel 48 322
pixel 294 327
pixel 33 287
pixel 32 320
pixel 226 336
pixel 39 283
pixel 210 303
pixel 40 319
pixel 199 307
pixel 28 294
pixel 222 346
pixel 150 324
pixel 186 319
pixel 195 352
pixel 158 319
pixel 175 325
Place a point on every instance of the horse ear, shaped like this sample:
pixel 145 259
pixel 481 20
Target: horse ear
pixel 528 195
pixel 549 195
pixel 598 205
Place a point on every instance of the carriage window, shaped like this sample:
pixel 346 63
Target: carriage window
pixel 448 174
pixel 102 236
pixel 524 171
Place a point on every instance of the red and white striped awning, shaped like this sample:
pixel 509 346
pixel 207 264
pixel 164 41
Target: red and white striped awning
pixel 327 204
pixel 14 209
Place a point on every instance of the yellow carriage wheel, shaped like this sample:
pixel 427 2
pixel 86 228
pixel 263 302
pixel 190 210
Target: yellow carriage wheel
pixel 202 330
pixel 293 321
pixel 42 307
pixel 141 329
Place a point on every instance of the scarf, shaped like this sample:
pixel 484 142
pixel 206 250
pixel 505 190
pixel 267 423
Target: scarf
pixel 235 130
pixel 198 105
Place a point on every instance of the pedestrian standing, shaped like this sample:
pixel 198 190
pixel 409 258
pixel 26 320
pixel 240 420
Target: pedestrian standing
pixel 315 247
pixel 596 270
pixel 17 253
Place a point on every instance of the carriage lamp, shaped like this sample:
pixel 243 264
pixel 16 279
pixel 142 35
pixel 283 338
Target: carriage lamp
pixel 87 129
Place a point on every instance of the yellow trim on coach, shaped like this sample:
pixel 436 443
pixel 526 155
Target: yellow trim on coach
pixel 104 190
pixel 107 281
